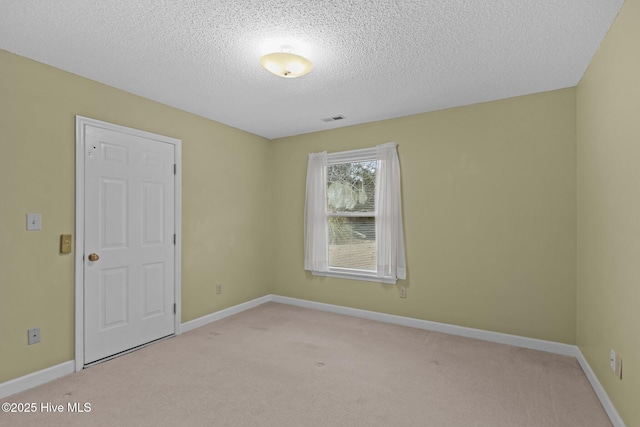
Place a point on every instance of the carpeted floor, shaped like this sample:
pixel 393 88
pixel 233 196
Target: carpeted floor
pixel 278 365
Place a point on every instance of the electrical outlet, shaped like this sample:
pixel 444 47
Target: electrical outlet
pixel 34 336
pixel 402 291
pixel 218 288
pixel 612 360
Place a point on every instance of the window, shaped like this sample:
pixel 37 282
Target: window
pixel 353 218
pixel 351 215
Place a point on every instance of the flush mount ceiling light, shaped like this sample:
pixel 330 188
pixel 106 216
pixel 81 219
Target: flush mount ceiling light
pixel 286 64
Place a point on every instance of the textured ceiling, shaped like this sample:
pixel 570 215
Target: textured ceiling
pixel 372 59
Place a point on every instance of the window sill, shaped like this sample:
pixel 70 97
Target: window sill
pixel 343 274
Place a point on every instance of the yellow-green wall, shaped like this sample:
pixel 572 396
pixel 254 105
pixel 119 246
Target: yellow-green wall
pixel 489 199
pixel 502 201
pixel 225 191
pixel 489 194
pixel 608 134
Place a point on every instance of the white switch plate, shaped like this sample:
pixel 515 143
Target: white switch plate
pixel 33 222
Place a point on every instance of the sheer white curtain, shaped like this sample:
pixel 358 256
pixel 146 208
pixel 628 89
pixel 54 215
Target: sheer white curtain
pixel 389 230
pixel 316 248
pixel 391 264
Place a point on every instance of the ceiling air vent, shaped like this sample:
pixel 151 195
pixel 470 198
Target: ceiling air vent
pixel 334 118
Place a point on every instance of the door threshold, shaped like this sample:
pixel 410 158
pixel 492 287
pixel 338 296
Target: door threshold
pixel 122 353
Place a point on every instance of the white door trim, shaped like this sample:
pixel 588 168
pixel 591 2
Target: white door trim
pixel 81 122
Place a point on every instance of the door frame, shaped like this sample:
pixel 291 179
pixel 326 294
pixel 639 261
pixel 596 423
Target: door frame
pixel 81 123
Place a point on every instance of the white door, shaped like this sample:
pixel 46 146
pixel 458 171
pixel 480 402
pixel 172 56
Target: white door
pixel 129 241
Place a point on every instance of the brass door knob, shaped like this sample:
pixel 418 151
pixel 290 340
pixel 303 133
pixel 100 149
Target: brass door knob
pixel 93 257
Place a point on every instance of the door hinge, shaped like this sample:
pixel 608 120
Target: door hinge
pixel 174 239
pixel 174 308
pixel 175 169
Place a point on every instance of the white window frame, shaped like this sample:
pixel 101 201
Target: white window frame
pixel 316 236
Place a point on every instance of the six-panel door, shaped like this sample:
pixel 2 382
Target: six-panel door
pixel 129 226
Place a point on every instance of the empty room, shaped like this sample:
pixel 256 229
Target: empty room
pixel 320 213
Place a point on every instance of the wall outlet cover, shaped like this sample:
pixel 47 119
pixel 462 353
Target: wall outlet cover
pixel 612 360
pixel 33 336
pixel 402 291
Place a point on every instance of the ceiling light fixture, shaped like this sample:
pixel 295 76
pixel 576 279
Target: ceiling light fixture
pixel 286 64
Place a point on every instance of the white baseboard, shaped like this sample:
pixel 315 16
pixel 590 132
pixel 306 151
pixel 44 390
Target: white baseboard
pixel 597 387
pixel 204 320
pixel 35 379
pixel 41 377
pixel 514 340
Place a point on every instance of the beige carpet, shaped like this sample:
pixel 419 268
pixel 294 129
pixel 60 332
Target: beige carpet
pixel 278 365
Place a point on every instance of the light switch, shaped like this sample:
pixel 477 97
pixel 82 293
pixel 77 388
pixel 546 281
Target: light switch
pixel 33 222
pixel 65 243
